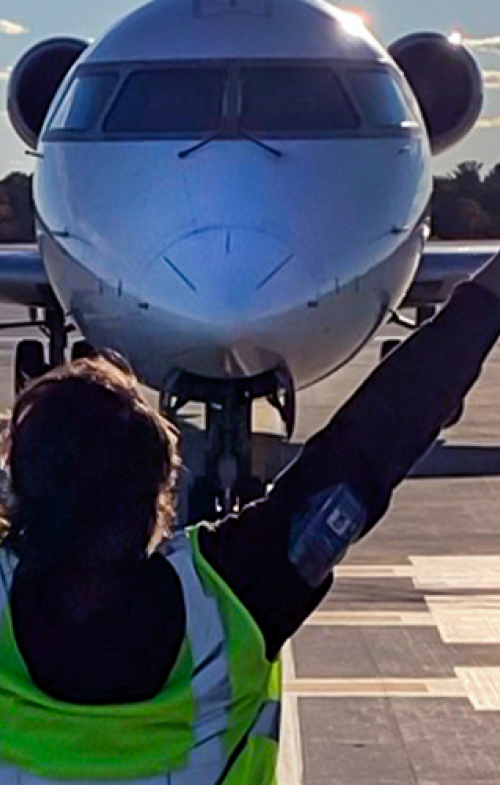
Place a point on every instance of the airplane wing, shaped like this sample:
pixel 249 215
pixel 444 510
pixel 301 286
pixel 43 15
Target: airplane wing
pixel 23 280
pixel 442 266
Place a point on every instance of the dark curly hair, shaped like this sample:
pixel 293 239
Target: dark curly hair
pixel 93 469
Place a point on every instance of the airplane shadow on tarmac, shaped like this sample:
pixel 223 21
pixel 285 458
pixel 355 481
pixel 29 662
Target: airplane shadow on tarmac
pixel 443 460
pixel 458 460
pixel 272 454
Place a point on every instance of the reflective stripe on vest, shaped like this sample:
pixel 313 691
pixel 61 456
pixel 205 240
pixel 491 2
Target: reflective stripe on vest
pixel 7 567
pixel 268 721
pixel 210 682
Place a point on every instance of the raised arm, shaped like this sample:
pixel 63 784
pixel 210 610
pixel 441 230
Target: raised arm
pixel 369 446
pixel 395 416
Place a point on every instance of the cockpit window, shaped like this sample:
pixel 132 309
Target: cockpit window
pixel 83 103
pixel 194 99
pixel 169 100
pixel 381 99
pixel 295 99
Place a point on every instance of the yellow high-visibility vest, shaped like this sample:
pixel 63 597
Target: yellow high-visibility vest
pixel 215 721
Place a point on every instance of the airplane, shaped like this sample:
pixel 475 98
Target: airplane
pixel 234 195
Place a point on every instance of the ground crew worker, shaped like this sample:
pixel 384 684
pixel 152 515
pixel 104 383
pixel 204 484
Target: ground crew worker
pixel 125 659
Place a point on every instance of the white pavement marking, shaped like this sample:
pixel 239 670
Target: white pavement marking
pixel 466 619
pixel 482 686
pixel 290 766
pixel 371 619
pixel 456 572
pixel 434 572
pixel 459 619
pixel 466 600
pixel 378 687
pixel 375 571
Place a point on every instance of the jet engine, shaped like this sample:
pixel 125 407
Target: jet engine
pixel 447 83
pixel 34 82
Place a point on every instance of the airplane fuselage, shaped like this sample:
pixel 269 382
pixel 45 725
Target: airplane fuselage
pixel 276 237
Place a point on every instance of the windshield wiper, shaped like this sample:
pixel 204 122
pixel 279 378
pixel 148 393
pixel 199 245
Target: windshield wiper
pixel 259 142
pixel 199 145
pixel 239 132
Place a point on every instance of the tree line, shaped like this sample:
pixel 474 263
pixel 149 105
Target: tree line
pixel 465 205
pixel 17 223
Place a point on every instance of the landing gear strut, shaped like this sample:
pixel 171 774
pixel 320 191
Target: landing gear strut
pixel 30 359
pixel 228 482
pixel 58 335
pixel 228 462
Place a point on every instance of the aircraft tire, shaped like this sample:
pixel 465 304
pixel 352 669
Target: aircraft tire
pixel 29 363
pixel 388 347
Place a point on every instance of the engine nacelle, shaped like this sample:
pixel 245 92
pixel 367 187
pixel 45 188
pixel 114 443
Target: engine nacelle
pixel 34 82
pixel 447 83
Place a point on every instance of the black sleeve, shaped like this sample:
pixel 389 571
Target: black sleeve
pixel 370 445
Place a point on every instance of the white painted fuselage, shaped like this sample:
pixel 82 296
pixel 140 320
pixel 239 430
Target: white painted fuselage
pixel 233 260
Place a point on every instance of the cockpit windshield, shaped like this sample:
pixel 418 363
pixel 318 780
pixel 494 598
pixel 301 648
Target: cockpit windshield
pixel 84 101
pixel 169 100
pixel 294 98
pixel 381 99
pixel 228 98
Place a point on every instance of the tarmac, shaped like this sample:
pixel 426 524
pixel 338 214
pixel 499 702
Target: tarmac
pixel 395 680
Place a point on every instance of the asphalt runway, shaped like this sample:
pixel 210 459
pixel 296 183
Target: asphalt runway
pixel 396 679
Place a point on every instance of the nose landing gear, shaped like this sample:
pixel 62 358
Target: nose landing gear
pixel 228 460
pixel 229 482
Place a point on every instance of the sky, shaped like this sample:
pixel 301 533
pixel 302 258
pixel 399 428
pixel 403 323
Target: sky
pixel 26 22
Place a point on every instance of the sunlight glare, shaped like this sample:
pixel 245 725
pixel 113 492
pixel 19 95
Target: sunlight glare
pixel 456 38
pixel 353 23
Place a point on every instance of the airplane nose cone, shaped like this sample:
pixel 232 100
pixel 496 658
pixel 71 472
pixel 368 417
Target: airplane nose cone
pixel 220 275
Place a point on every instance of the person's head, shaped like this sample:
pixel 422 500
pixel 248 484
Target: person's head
pixel 93 468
